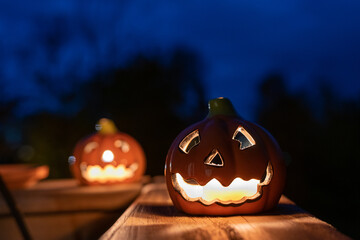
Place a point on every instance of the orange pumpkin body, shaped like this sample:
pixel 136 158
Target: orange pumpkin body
pixel 233 167
pixel 108 158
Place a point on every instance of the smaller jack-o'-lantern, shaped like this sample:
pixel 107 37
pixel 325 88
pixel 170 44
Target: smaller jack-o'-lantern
pixel 107 157
pixel 224 165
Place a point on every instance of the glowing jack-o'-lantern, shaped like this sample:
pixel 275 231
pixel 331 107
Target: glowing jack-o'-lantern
pixel 107 157
pixel 224 165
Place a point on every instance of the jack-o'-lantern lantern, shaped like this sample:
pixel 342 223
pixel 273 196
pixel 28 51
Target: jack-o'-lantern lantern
pixel 224 165
pixel 107 157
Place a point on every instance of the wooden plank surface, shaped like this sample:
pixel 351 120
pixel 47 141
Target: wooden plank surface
pixel 62 209
pixel 153 216
pixel 66 195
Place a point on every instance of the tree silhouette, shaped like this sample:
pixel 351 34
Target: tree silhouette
pixel 143 98
pixel 8 138
pixel 322 140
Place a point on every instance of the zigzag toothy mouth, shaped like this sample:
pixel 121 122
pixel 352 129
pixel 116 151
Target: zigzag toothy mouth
pixel 120 172
pixel 213 191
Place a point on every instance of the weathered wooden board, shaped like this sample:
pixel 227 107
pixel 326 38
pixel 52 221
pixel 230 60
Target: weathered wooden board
pixel 61 209
pixel 153 216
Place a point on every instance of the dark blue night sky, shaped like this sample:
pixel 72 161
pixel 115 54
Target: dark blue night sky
pixel 239 43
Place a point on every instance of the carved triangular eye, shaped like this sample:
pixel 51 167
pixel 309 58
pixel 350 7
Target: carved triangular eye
pixel 190 141
pixel 90 147
pixel 214 159
pixel 244 138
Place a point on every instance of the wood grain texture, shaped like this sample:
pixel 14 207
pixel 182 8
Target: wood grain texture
pixel 153 216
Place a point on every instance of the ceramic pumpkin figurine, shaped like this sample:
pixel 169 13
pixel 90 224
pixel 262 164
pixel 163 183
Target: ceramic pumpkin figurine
pixel 107 157
pixel 224 165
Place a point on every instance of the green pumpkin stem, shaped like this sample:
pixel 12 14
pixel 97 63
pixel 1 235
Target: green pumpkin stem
pixel 106 126
pixel 221 106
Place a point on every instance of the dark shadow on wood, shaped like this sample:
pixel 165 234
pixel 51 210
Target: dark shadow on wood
pixel 160 210
pixel 171 211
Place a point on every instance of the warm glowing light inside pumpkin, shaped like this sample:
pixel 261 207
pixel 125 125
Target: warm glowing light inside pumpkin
pixel 108 173
pixel 214 190
pixel 237 192
pixel 107 156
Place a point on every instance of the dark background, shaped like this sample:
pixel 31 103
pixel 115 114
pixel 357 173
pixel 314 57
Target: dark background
pixel 151 66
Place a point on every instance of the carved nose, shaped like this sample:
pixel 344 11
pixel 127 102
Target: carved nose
pixel 214 159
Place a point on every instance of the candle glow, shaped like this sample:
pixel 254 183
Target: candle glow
pixel 213 191
pixel 108 173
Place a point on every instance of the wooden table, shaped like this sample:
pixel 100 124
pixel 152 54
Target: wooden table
pixel 153 216
pixel 61 209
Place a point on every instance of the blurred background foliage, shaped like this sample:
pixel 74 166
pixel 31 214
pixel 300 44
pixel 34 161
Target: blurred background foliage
pixel 322 139
pixel 153 100
pixel 148 99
